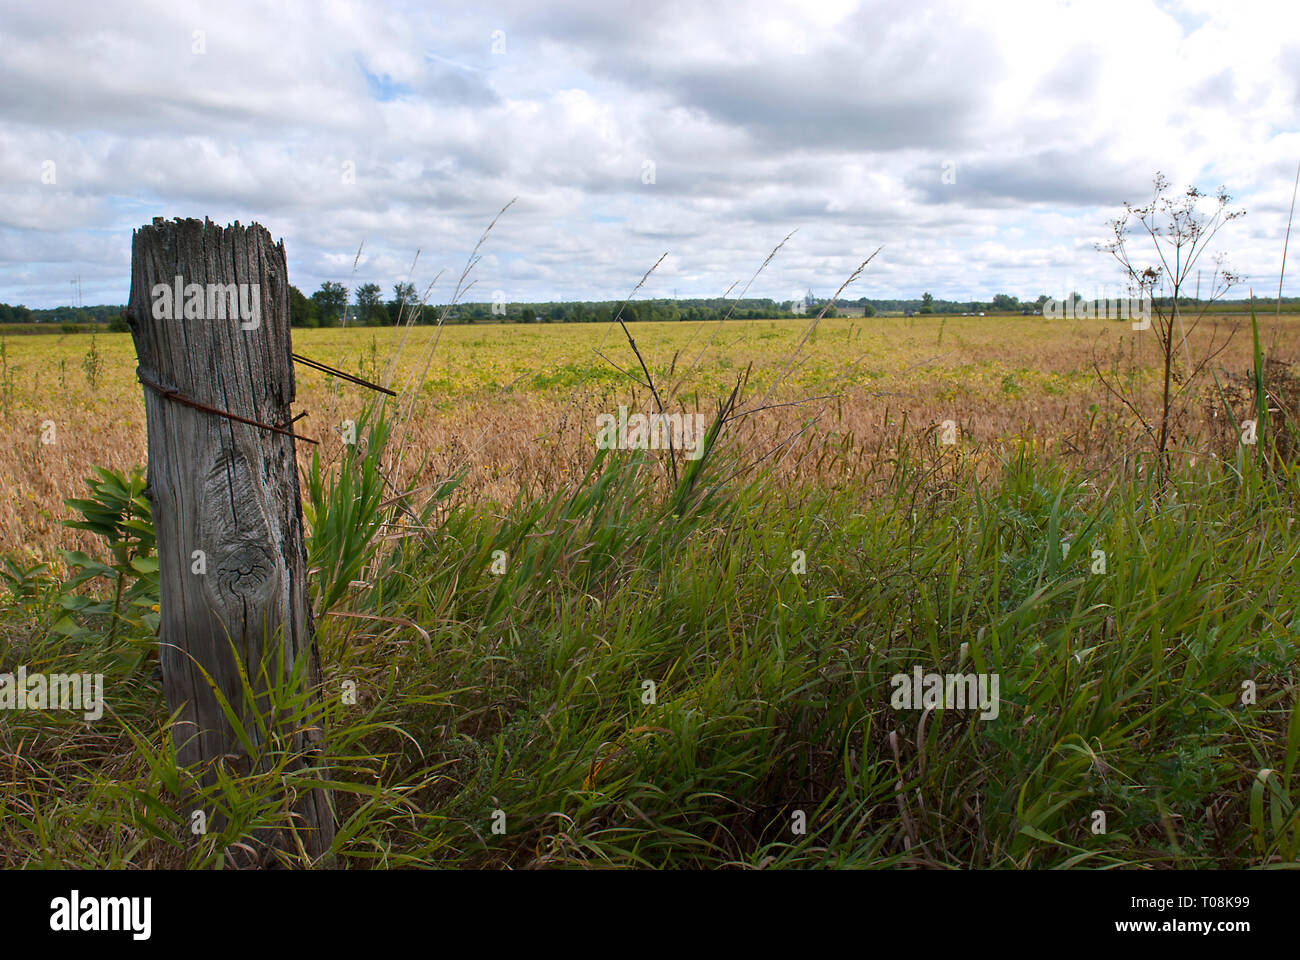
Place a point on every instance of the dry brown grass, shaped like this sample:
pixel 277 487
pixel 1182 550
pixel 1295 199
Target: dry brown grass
pixel 1003 380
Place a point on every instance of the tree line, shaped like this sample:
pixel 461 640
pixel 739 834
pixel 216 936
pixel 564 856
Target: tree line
pixel 334 304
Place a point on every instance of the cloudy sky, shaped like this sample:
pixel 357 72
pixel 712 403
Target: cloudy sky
pixel 983 145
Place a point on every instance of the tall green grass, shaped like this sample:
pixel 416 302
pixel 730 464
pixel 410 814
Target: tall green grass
pixel 514 687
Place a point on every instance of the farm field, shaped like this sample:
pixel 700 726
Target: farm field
pixel 560 656
pixel 516 405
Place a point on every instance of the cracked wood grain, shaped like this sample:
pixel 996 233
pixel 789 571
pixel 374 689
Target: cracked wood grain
pixel 230 490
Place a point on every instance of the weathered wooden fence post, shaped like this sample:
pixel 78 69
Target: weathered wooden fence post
pixel 209 313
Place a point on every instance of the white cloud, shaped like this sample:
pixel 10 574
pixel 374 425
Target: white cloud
pixel 835 118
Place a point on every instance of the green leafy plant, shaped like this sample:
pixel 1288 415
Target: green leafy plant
pixel 117 511
pixel 23 582
pixel 91 363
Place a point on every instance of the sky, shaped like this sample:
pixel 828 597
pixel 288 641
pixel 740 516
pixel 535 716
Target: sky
pixel 982 146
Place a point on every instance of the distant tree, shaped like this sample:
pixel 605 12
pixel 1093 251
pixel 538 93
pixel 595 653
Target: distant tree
pixel 1005 303
pixel 405 301
pixel 331 300
pixel 927 303
pixel 868 310
pixel 369 310
pixel 302 312
pixel 117 324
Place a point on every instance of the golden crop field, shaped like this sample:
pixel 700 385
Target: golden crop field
pixel 516 404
